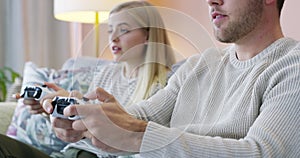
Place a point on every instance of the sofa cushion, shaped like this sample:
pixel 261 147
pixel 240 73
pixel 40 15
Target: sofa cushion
pixel 6 112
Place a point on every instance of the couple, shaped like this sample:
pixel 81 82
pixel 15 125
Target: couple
pixel 242 101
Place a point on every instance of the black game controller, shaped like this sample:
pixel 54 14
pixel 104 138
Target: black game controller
pixel 35 92
pixel 60 103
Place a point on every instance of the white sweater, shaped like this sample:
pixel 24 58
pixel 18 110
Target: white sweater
pixel 218 106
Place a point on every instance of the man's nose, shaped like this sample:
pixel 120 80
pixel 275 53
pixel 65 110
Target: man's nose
pixel 214 2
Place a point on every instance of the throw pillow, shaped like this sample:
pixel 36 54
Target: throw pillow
pixel 76 74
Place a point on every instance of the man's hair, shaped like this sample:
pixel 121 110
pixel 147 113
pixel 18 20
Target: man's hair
pixel 280 5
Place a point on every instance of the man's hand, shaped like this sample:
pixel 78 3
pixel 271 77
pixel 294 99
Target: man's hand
pixel 46 101
pixel 109 126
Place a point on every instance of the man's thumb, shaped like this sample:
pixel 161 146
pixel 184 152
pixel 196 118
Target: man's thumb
pixel 104 96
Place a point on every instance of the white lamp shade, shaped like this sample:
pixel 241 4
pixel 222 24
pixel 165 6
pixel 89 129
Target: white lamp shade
pixel 84 11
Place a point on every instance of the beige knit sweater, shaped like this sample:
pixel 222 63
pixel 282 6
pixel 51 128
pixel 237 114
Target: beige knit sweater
pixel 218 106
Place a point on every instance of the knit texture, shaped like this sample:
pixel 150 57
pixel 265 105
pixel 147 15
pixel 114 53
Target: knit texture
pixel 218 106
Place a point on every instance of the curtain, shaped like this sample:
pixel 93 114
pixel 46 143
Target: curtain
pixel 29 32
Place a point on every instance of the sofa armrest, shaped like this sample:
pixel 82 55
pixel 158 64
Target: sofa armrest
pixel 6 113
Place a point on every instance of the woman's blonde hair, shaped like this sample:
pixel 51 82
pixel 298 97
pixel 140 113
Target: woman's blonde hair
pixel 159 56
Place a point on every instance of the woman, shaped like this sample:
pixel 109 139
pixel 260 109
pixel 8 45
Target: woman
pixel 141 47
pixel 143 57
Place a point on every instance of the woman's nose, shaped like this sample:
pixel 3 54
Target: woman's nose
pixel 114 37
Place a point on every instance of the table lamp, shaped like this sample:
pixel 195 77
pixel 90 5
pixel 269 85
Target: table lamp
pixel 85 11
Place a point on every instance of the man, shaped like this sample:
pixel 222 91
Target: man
pixel 241 102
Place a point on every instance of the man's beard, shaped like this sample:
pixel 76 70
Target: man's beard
pixel 247 21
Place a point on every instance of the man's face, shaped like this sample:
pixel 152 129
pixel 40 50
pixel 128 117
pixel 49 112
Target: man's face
pixel 234 19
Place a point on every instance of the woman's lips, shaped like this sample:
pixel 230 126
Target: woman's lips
pixel 116 49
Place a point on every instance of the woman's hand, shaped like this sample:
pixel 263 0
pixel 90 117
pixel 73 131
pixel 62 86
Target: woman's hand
pixel 62 127
pixel 34 106
pixel 64 130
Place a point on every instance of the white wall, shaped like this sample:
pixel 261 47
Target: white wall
pixel 290 19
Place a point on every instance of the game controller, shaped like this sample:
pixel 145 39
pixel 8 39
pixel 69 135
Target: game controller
pixel 60 103
pixel 35 92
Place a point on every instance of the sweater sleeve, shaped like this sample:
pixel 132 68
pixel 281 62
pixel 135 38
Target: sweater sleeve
pixel 160 106
pixel 274 133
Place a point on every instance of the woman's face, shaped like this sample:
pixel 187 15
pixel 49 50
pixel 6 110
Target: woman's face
pixel 127 39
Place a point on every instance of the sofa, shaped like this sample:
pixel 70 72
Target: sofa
pixel 6 113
